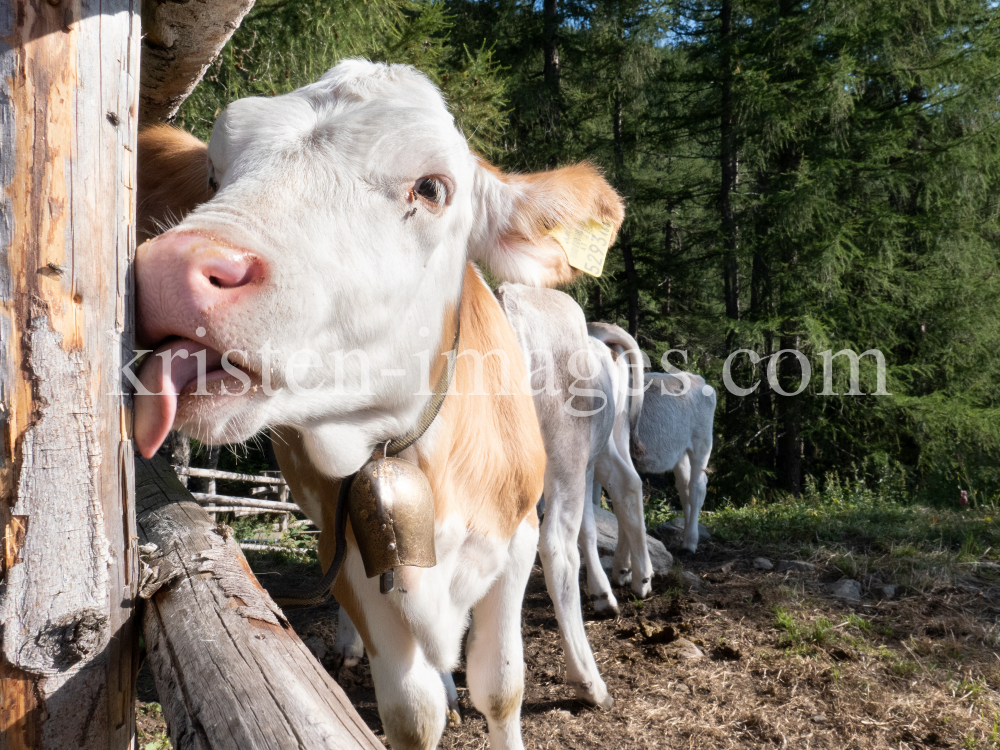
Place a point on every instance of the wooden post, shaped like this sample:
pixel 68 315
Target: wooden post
pixel 68 568
pixel 230 672
pixel 180 41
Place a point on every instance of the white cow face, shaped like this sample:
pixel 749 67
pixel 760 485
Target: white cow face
pixel 330 260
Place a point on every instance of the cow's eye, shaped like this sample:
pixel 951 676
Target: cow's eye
pixel 431 190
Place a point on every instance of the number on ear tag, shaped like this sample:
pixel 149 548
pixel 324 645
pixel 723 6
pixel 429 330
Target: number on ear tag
pixel 586 245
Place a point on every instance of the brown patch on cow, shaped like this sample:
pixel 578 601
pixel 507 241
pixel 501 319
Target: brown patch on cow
pixel 173 178
pixel 486 460
pixel 503 706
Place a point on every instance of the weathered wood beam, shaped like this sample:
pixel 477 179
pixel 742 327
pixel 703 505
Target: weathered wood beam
pixel 68 568
pixel 180 40
pixel 230 672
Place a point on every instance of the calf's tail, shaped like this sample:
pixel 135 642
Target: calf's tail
pixel 613 336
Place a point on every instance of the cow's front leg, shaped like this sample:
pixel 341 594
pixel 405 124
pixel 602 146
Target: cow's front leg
pixel 348 646
pixel 696 482
pixel 494 654
pixel 453 715
pixel 411 696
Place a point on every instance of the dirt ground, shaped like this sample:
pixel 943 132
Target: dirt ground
pixel 782 664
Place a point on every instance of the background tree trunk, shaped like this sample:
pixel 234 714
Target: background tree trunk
pixel 68 573
pixel 728 169
pixel 624 237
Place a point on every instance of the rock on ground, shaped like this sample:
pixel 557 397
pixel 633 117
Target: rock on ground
pixel 884 590
pixel 682 649
pixel 607 541
pixel 762 563
pixel 672 532
pixel 795 566
pixel 846 589
pixel 692 581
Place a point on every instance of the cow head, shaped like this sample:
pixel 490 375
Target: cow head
pixel 330 260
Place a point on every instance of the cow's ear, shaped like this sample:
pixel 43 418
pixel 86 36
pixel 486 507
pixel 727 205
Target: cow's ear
pixel 517 213
pixel 174 177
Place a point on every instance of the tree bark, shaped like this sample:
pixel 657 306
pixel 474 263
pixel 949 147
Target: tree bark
pixel 229 670
pixel 790 441
pixel 550 73
pixel 180 41
pixel 624 241
pixel 176 449
pixel 790 411
pixel 550 45
pixel 729 170
pixel 631 280
pixel 68 572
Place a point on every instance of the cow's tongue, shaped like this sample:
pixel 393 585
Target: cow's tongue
pixel 162 376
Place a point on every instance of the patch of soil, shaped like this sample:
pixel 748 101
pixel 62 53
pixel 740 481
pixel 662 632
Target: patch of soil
pixel 913 672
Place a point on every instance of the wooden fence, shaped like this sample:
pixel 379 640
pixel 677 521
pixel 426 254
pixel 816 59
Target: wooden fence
pixel 271 483
pixel 229 670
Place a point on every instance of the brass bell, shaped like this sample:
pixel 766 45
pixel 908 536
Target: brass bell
pixel 392 514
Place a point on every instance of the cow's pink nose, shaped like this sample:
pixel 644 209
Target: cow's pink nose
pixel 188 280
pixel 228 269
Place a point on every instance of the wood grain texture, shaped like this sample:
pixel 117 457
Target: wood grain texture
pixel 68 123
pixel 181 38
pixel 229 670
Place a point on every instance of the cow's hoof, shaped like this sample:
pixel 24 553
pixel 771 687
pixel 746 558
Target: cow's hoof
pixel 454 718
pixel 600 698
pixel 605 604
pixel 623 577
pixel 683 553
pixel 351 654
pixel 642 588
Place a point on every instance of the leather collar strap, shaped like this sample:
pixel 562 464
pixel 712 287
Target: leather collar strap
pixel 399 444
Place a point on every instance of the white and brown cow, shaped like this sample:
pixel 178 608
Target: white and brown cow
pixel 333 265
pixel 586 382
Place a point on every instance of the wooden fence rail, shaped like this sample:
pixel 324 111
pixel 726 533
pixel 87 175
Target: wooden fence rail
pixel 193 471
pixel 242 505
pixel 230 672
pixel 265 506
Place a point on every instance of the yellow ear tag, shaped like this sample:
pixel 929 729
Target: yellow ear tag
pixel 586 245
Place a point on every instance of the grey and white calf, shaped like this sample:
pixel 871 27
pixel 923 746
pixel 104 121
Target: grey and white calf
pixel 675 432
pixel 581 385
pixel 678 416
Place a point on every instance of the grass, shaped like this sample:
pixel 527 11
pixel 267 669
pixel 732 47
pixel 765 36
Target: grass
pixel 801 637
pixel 857 621
pixel 868 533
pixel 879 517
pixel 902 530
pixel 150 734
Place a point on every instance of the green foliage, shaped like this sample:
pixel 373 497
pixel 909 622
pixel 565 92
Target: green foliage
pixel 856 516
pixel 282 45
